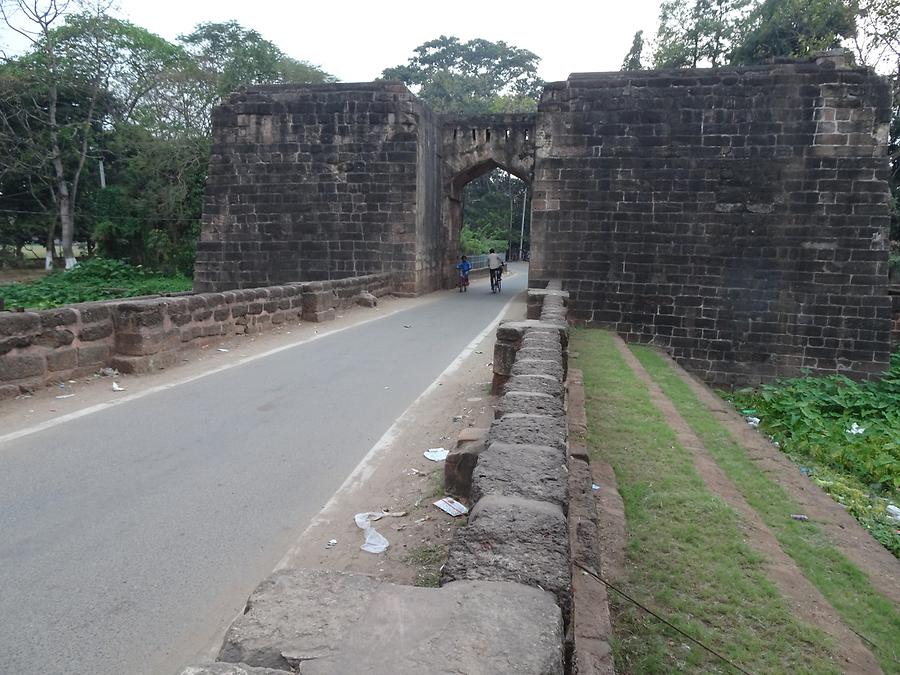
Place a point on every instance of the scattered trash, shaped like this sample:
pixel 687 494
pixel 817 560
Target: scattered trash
pixel 331 543
pixel 406 325
pixel 451 506
pixel 748 411
pixel 806 471
pixel 753 421
pixel 595 487
pixel 387 387
pixel 117 387
pixel 855 429
pixel 799 516
pixel 375 542
pixel 66 396
pixel 221 349
pixel 436 454
pixel 893 512
pixel 479 352
pixel 474 399
pixel 415 472
pixel 61 385
pixel 457 418
pixel 71 381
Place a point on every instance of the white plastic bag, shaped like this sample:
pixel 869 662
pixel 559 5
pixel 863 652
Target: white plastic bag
pixel 375 542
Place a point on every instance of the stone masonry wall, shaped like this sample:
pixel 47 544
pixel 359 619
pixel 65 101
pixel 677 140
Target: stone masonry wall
pixel 317 182
pixel 736 217
pixel 517 530
pixel 139 335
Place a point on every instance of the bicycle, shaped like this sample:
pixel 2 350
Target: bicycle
pixel 496 279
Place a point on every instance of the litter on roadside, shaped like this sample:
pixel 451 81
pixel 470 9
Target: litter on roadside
pixel 415 472
pixel 457 418
pixel 595 487
pixel 753 421
pixel 451 506
pixel 117 387
pixel 221 349
pixel 799 516
pixel 374 542
pixel 331 543
pixel 66 396
pixel 407 326
pixel 806 471
pixel 893 512
pixel 436 454
pixel 855 429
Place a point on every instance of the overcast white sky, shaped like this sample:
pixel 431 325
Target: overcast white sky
pixel 355 40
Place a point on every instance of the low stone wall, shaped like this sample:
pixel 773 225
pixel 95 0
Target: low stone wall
pixel 518 529
pixel 140 335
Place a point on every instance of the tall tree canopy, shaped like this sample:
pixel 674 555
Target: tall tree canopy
pixel 471 77
pixel 97 96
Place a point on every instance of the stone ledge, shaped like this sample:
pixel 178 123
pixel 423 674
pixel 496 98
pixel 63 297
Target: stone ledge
pixel 522 429
pixel 333 623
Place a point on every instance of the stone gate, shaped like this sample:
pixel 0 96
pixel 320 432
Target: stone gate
pixel 736 217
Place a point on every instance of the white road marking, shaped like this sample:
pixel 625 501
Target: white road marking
pixel 84 412
pixel 365 468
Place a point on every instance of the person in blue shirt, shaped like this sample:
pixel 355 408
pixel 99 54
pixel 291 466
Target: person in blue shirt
pixel 464 266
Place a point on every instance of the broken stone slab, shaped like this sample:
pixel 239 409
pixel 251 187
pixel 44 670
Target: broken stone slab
pixel 529 471
pixel 543 384
pixel 332 623
pixel 521 429
pixel 458 467
pixel 529 403
pixel 463 627
pixel 513 539
pixel 219 668
pixel 366 299
pixel 296 615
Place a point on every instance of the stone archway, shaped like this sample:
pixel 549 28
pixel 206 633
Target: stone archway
pixel 472 146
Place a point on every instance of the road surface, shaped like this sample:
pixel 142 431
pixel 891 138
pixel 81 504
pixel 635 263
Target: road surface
pixel 131 536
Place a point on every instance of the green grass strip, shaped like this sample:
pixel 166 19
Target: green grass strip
pixel 686 555
pixel 848 589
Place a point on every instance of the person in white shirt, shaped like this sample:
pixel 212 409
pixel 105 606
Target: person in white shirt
pixel 495 265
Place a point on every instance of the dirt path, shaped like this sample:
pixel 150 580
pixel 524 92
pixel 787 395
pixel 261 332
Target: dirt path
pixel 853 541
pixel 804 598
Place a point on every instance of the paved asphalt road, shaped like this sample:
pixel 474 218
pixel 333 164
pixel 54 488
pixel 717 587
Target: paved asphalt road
pixel 130 536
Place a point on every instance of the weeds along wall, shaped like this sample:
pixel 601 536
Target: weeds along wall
pixel 736 217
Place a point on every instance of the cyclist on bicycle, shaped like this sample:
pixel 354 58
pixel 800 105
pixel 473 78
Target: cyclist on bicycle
pixel 464 266
pixel 495 265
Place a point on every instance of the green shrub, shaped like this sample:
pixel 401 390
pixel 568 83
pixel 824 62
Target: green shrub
pixel 94 279
pixel 815 417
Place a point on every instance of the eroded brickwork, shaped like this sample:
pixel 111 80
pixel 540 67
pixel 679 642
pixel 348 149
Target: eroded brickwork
pixel 736 217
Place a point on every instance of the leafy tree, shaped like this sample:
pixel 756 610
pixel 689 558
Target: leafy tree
pixel 697 32
pixel 795 28
pixel 78 77
pixel 477 76
pixel 633 57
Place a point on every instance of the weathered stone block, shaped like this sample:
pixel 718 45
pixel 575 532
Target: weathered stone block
pixel 541 384
pixel 21 366
pixel 529 403
pixel 62 359
pixel 96 331
pixel 519 429
pixel 51 318
pixel 538 367
pixel 528 471
pixel 332 623
pixel 93 354
pixel 513 539
pixel 14 324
